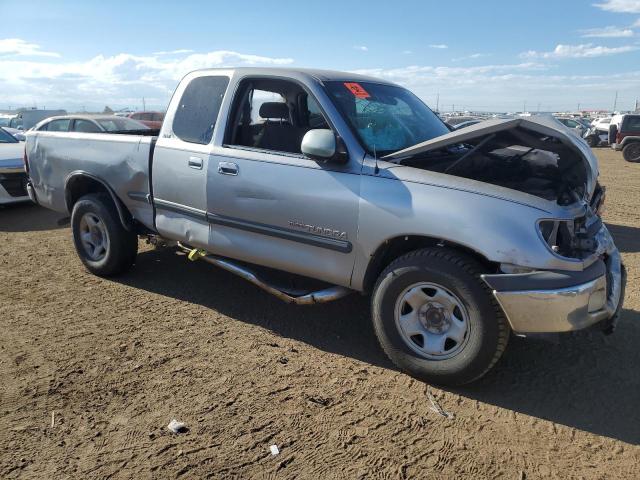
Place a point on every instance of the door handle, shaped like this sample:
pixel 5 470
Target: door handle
pixel 195 162
pixel 227 168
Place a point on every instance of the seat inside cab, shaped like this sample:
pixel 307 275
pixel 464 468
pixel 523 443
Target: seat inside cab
pixel 273 115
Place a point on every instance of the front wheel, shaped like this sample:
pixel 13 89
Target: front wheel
pixel 592 141
pixel 631 152
pixel 435 318
pixel 104 246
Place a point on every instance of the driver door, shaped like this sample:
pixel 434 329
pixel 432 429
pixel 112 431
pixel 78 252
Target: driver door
pixel 270 205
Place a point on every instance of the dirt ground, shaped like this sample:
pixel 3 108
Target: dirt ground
pixel 93 370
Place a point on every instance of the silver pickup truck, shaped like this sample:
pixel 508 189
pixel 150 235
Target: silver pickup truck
pixel 351 183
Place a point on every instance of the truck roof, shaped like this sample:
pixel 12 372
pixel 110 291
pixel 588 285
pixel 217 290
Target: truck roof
pixel 298 73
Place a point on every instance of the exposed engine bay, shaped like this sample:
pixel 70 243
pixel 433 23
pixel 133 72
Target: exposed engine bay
pixel 518 158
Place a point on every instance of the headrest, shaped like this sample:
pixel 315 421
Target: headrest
pixel 277 110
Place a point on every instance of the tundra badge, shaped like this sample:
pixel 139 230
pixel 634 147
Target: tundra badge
pixel 324 231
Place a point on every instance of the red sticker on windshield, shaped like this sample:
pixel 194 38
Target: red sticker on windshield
pixel 357 89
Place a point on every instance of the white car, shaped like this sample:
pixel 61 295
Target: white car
pixel 13 179
pixel 602 124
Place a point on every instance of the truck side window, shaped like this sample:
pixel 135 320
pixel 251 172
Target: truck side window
pixel 198 109
pixel 273 115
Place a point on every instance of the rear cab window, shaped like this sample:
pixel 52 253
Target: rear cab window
pixel 85 126
pixel 197 113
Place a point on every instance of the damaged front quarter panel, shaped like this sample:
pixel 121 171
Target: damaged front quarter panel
pixel 485 188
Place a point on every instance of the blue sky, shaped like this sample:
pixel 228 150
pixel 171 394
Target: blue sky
pixel 493 55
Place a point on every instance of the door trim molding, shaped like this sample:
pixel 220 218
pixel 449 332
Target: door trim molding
pixel 179 208
pixel 342 246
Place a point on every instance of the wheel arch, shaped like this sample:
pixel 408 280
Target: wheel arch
pixel 80 183
pixel 397 246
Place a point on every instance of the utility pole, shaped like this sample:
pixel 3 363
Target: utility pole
pixel 578 107
pixel 615 102
pixel 524 107
pixel 144 105
pixel 438 102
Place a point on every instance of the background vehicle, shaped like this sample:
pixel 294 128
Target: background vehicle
pixel 150 119
pixel 13 179
pixel 18 134
pixel 28 118
pixel 601 124
pixel 347 183
pixel 5 119
pixel 625 135
pixel 583 121
pixel 93 124
pixel 577 128
pixel 595 137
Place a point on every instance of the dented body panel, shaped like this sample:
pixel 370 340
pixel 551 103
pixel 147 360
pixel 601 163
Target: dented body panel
pixel 120 161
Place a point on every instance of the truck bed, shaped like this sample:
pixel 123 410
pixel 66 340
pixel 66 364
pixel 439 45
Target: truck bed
pixel 119 160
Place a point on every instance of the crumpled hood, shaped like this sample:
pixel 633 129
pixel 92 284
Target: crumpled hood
pixel 545 125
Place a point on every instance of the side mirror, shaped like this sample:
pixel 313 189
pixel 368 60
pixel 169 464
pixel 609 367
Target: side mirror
pixel 319 144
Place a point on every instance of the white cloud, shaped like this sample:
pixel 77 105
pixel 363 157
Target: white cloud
pixel 473 56
pixel 607 32
pixel 362 48
pixel 407 52
pixel 620 6
pixel 587 50
pixel 174 52
pixel 636 24
pixel 19 47
pixel 505 87
pixel 118 80
pixel 440 46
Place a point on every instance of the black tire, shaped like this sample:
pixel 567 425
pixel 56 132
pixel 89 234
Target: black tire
pixel 488 331
pixel 121 247
pixel 592 141
pixel 631 152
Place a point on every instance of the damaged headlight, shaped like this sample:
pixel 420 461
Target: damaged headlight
pixel 571 238
pixel 558 234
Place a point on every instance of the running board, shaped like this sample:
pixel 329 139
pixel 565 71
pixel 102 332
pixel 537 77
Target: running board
pixel 321 296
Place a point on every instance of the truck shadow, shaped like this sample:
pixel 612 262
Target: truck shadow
pixel 585 381
pixel 28 217
pixel 626 237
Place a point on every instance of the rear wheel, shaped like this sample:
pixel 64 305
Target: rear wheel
pixel 592 141
pixel 435 318
pixel 631 152
pixel 104 246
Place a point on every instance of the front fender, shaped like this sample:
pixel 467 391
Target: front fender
pixel 498 229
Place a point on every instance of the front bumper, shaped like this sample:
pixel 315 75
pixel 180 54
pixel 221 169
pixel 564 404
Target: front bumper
pixel 551 302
